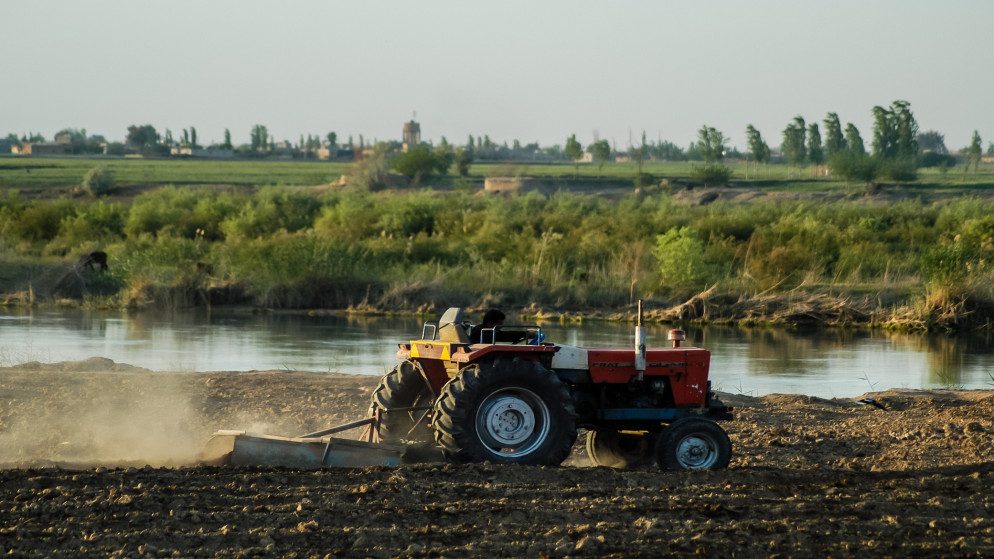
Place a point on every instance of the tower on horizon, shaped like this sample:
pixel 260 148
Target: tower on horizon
pixel 412 134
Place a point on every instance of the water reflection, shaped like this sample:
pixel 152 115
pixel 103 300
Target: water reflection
pixel 832 363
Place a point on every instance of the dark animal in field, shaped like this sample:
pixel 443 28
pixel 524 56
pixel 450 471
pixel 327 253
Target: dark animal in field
pixel 205 269
pixel 93 260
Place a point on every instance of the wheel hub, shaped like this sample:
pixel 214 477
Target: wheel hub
pixel 695 452
pixel 509 420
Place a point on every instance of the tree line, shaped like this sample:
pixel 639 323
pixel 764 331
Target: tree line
pixel 897 148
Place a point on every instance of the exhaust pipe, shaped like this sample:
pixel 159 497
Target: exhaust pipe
pixel 640 344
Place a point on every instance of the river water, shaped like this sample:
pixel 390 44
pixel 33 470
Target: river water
pixel 825 363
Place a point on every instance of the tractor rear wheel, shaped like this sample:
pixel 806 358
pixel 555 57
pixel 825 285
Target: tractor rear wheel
pixel 507 411
pixel 607 447
pixel 403 387
pixel 692 443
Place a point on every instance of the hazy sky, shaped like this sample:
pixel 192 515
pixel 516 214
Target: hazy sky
pixel 532 71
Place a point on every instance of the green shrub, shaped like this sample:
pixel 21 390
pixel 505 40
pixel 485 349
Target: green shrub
pixel 95 223
pixel 684 261
pixel 853 166
pixel 98 181
pixel 646 179
pixel 41 220
pixel 422 162
pixel 711 174
pixel 182 212
pixel 272 209
pixel 932 159
pixel 898 170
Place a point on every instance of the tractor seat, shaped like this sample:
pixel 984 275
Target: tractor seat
pixel 452 328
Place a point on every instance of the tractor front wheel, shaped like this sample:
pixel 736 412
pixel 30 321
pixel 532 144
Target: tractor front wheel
pixel 507 411
pixel 400 390
pixel 692 443
pixel 607 447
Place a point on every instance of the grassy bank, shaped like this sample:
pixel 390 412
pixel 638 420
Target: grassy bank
pixel 911 264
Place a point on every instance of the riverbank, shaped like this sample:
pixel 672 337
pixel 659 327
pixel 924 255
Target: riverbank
pixel 743 254
pixel 99 459
pixel 891 310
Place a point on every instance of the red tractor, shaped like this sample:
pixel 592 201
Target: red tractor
pixel 524 402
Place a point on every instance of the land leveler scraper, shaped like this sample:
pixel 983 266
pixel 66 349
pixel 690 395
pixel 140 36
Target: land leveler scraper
pixel 522 402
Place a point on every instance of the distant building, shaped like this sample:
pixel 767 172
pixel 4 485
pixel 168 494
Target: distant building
pixel 335 153
pixel 41 148
pixel 283 147
pixel 6 146
pixel 412 134
pixel 206 153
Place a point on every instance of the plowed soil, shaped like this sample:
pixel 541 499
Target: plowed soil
pixel 98 459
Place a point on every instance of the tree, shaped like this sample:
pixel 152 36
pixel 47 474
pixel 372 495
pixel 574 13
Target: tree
pixel 421 162
pixel 573 151
pixel 884 134
pixel 97 181
pixel 193 137
pixel 834 140
pixel 895 141
pixel 332 140
pixel 852 165
pixel 895 132
pixel 971 155
pixel 601 151
pixel 815 153
pixel 907 130
pixel 854 142
pixel 76 138
pixel 142 136
pixel 933 151
pixel 444 156
pixel 227 139
pixel 793 149
pixel 260 137
pixel 711 145
pixel 932 141
pixel 464 158
pixel 759 152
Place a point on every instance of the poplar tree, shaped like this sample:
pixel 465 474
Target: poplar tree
pixel 260 137
pixel 793 149
pixel 907 130
pixel 972 154
pixel 711 144
pixel 759 152
pixel 834 140
pixel 854 142
pixel 815 153
pixel 574 151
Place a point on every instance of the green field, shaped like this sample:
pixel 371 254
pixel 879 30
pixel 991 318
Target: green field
pixel 22 173
pixel 35 173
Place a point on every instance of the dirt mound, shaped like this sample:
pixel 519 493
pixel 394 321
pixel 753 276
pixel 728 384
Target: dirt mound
pixel 809 477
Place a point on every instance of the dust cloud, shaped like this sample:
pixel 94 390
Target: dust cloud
pixel 97 412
